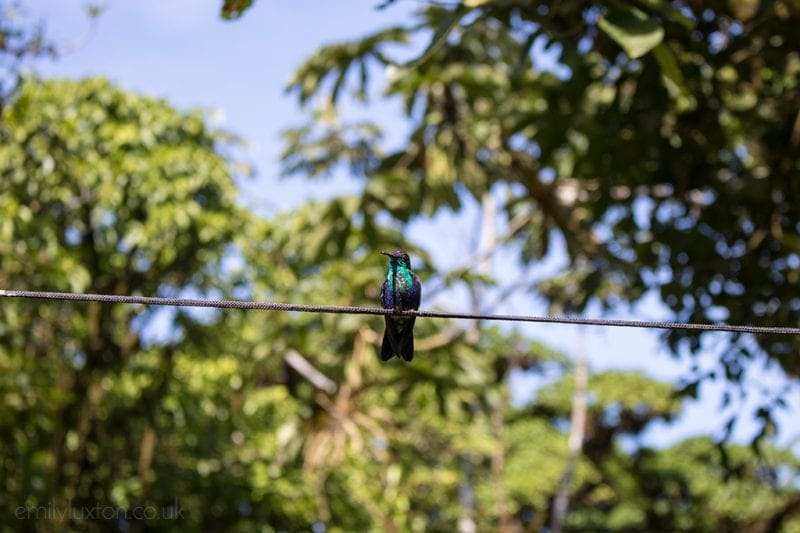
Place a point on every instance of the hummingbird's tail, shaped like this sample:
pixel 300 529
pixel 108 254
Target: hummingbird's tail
pixel 398 339
pixel 407 347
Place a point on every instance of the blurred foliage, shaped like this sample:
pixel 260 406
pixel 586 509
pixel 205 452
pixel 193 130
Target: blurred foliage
pixel 20 39
pixel 233 9
pixel 207 417
pixel 23 38
pixel 658 139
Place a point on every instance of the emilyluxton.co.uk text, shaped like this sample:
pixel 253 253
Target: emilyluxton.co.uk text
pixel 54 511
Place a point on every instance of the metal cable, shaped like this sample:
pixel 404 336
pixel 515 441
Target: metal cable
pixel 335 309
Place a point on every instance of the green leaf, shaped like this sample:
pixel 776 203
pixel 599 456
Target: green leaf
pixel 673 77
pixel 633 30
pixel 440 37
pixel 233 9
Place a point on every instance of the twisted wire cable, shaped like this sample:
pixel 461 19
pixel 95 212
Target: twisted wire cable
pixel 335 309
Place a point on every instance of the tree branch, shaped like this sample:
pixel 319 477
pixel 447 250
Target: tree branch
pixel 576 434
pixel 308 371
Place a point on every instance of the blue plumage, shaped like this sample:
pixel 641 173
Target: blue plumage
pixel 400 290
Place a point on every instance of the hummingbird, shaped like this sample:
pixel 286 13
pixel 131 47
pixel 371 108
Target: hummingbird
pixel 400 290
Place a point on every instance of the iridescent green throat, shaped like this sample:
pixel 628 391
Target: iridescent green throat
pixel 399 273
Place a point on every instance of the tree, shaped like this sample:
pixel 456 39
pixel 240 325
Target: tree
pixel 659 144
pixel 694 484
pixel 109 192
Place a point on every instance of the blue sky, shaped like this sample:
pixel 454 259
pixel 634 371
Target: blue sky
pixel 182 51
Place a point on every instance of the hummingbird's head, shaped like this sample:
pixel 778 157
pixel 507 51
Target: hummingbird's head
pixel 398 257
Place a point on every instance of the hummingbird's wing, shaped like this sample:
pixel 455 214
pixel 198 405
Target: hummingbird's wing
pixel 416 293
pixel 389 344
pixel 390 334
pixel 406 344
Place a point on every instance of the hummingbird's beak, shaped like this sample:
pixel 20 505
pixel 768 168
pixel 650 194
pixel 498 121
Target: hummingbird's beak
pixel 387 254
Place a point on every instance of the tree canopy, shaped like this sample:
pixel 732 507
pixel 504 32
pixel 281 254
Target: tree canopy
pixel 661 146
